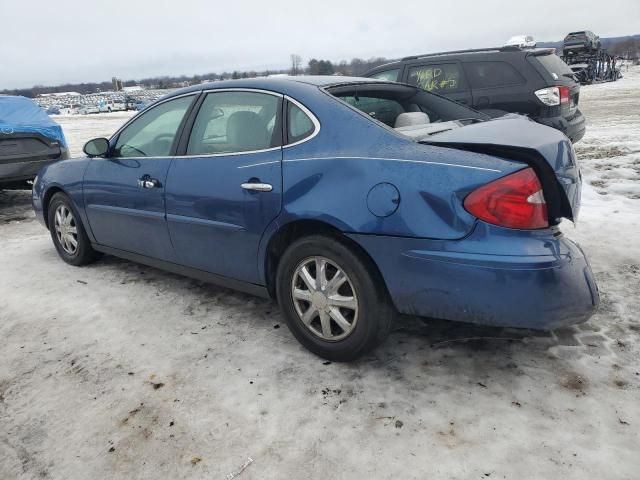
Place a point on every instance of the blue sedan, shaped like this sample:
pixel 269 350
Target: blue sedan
pixel 347 200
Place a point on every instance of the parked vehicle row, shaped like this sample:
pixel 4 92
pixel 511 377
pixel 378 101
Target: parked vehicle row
pixel 496 81
pixel 94 103
pixel 347 200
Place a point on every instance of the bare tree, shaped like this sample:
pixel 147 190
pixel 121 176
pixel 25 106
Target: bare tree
pixel 296 62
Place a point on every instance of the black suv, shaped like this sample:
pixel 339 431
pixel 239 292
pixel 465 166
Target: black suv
pixel 577 42
pixel 496 81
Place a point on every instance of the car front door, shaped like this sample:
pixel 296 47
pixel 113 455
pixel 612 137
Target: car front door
pixel 442 78
pixel 227 187
pixel 125 192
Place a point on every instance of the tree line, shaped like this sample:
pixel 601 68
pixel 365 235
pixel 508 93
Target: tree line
pixel 355 67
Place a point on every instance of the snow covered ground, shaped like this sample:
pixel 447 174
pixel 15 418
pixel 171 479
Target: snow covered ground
pixel 122 371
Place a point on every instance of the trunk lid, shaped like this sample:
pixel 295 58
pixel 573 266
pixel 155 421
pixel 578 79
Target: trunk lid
pixel 546 150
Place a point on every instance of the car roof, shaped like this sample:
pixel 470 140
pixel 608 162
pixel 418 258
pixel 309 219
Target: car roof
pixel 512 49
pixel 279 84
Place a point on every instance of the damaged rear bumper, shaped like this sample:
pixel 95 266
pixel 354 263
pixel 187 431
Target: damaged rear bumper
pixel 495 276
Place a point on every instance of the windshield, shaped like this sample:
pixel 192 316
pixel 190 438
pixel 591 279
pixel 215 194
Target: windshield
pixel 575 36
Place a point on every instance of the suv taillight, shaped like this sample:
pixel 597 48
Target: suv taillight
pixel 564 95
pixel 553 96
pixel 514 201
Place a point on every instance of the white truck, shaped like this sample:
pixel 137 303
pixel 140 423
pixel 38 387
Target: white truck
pixel 112 106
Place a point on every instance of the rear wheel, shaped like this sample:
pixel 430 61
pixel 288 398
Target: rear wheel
pixel 67 232
pixel 332 299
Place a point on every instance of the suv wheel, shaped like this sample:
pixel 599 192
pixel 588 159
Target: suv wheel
pixel 332 301
pixel 67 232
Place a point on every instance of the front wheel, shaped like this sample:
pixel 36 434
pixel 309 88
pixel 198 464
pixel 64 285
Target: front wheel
pixel 67 232
pixel 333 300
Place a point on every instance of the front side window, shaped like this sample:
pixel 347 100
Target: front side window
pixel 442 79
pixel 492 74
pixel 153 132
pixel 232 122
pixel 388 75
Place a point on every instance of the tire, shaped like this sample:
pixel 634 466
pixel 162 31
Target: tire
pixel 82 254
pixel 367 325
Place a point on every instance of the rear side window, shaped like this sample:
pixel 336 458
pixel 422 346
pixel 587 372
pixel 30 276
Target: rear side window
pixel 553 64
pixel 388 75
pixel 492 74
pixel 444 78
pixel 299 125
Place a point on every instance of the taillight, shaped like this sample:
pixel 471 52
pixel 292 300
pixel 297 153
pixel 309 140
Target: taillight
pixel 514 201
pixel 564 95
pixel 553 96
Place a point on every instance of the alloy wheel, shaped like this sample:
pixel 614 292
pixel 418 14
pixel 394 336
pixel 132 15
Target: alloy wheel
pixel 66 229
pixel 324 298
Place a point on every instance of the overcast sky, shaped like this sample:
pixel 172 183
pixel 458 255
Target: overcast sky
pixel 53 42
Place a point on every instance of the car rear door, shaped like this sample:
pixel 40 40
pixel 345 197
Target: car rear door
pixel 227 187
pixel 443 78
pixel 125 193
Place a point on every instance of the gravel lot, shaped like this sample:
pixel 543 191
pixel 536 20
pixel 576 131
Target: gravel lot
pixel 122 371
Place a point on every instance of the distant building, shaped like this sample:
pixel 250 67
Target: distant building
pixel 135 88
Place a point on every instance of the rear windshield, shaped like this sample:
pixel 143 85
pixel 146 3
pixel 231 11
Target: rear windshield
pixel 553 64
pixel 408 110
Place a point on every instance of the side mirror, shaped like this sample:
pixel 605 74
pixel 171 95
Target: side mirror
pixel 98 147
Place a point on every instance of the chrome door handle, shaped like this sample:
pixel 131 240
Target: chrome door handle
pixel 147 182
pixel 257 187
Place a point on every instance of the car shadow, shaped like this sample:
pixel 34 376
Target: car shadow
pixel 412 337
pixel 15 206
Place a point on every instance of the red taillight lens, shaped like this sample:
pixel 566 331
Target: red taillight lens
pixel 514 201
pixel 564 95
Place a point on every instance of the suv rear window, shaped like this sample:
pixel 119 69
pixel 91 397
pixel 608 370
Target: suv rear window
pixel 492 74
pixel 554 64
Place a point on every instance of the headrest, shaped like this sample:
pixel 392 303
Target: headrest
pixel 247 131
pixel 411 118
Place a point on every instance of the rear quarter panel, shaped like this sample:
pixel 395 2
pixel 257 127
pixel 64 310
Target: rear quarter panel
pixel 331 177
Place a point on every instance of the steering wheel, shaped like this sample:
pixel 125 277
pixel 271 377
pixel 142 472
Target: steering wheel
pixel 162 136
pixel 133 148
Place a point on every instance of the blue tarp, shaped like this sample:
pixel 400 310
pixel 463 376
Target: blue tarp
pixel 21 115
